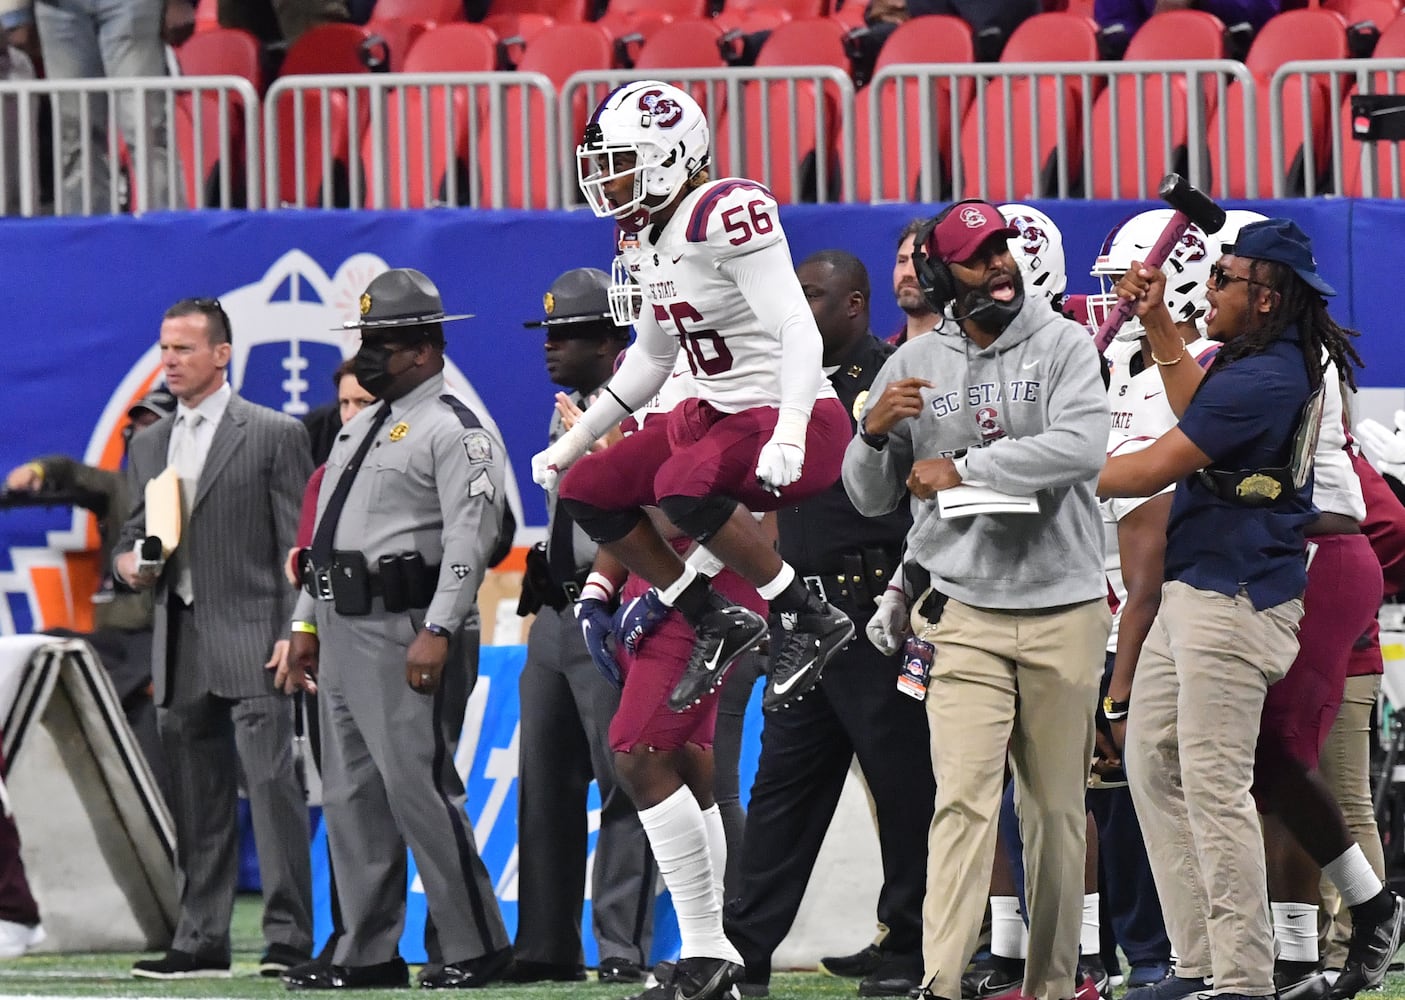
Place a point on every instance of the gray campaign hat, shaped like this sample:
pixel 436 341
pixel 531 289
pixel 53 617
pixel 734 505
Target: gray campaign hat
pixel 400 297
pixel 578 296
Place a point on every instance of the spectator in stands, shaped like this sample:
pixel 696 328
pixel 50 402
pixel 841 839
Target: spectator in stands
pixel 91 39
pixel 991 23
pixel 919 315
pixel 280 20
pixel 121 634
pixel 1118 20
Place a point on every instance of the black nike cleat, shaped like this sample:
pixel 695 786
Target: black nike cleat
pixel 725 632
pixel 989 977
pixel 1368 956
pixel 705 978
pixel 807 641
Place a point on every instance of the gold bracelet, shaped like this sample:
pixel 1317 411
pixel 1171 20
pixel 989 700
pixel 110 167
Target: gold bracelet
pixel 37 468
pixel 1167 364
pixel 307 627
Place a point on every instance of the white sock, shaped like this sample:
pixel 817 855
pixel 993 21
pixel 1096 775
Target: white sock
pixel 1352 875
pixel 670 593
pixel 1008 936
pixel 677 832
pixel 1090 940
pixel 717 850
pixel 770 591
pixel 1295 930
pixel 702 560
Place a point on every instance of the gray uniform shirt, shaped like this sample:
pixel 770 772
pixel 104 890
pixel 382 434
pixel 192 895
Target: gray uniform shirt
pixel 583 545
pixel 432 483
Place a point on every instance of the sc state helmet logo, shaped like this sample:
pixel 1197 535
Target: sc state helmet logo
pixel 1034 242
pixel 662 110
pixel 973 217
pixel 1192 247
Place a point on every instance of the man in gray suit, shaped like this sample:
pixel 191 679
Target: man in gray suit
pixel 221 612
pixel 409 517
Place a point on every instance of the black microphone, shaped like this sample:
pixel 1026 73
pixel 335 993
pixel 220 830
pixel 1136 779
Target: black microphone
pixel 149 554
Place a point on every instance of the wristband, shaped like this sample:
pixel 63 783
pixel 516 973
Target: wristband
pixel 1115 711
pixel 438 630
pixel 598 587
pixel 307 627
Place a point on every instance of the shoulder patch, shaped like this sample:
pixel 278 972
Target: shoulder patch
pixel 702 211
pixel 461 410
pixel 479 447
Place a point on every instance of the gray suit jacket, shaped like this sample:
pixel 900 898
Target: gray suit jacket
pixel 242 522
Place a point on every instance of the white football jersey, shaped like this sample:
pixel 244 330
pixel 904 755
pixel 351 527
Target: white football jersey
pixel 1138 402
pixel 1113 511
pixel 683 274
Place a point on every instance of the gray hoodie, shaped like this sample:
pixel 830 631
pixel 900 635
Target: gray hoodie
pixel 1032 411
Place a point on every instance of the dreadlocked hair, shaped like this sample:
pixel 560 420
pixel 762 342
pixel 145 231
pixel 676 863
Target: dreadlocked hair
pixel 1300 305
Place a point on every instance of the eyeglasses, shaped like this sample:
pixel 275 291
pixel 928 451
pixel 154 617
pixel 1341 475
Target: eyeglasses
pixel 1219 277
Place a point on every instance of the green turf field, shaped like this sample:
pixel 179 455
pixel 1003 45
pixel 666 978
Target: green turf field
pixel 108 975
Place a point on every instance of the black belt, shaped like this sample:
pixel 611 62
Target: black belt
pixel 321 588
pixel 861 579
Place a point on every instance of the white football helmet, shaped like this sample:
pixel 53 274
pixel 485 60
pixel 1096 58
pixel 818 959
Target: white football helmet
pixel 1234 220
pixel 626 297
pixel 651 131
pixel 1187 269
pixel 1038 250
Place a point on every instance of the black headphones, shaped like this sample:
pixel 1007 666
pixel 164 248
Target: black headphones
pixel 933 276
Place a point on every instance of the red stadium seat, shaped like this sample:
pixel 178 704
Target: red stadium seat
pixel 454 48
pixel 849 13
pixel 1379 12
pixel 1240 161
pixel 936 38
pixel 557 52
pixel 438 11
pixel 1310 33
pixel 558 10
pixel 201 172
pixel 1180 34
pixel 1034 160
pixel 811 42
pixel 207 16
pixel 690 44
pixel 327 48
pixel 399 37
pixel 1392 41
pixel 222 52
pixel 794 9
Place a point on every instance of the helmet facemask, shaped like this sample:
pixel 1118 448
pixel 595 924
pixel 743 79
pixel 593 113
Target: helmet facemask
pixel 625 295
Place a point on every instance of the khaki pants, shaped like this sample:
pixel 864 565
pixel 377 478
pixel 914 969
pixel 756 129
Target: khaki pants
pixel 1026 681
pixel 1346 767
pixel 1201 681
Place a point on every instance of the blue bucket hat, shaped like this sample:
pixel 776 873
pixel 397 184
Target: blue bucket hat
pixel 1281 241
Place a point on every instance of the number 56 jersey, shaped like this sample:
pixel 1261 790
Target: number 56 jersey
pixel 718 278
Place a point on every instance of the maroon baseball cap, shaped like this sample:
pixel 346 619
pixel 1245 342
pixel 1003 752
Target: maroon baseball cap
pixel 968 225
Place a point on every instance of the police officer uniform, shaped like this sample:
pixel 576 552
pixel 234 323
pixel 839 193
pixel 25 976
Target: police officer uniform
pixel 423 513
pixel 566 708
pixel 847 559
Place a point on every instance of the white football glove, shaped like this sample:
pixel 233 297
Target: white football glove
pixel 1385 449
pixel 782 458
pixel 888 628
pixel 549 464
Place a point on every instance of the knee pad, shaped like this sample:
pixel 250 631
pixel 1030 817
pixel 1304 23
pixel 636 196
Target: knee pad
pixel 603 526
pixel 698 517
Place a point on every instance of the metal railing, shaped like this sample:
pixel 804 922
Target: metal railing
pixel 493 135
pixel 96 169
pixel 822 97
pixel 1332 82
pixel 1003 108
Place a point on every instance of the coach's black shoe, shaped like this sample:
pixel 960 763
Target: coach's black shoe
pixel 470 974
pixel 807 639
pixel 855 966
pixel 316 976
pixel 991 976
pixel 724 633
pixel 176 964
pixel 705 978
pixel 527 971
pixel 279 958
pixel 1373 945
pixel 619 970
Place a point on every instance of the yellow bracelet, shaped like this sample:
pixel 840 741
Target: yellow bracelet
pixel 307 627
pixel 1167 364
pixel 37 468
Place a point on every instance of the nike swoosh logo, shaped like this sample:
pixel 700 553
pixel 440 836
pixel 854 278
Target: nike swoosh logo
pixel 711 665
pixel 1030 365
pixel 783 687
pixel 678 258
pixel 1151 395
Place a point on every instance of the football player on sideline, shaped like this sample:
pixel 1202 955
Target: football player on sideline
pixel 765 429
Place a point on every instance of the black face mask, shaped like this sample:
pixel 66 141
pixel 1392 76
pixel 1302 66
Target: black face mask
pixel 371 367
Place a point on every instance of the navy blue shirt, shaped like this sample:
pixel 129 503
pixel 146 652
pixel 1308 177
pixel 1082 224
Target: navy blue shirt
pixel 1243 416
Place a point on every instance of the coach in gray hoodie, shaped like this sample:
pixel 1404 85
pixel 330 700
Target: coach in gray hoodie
pixel 1010 398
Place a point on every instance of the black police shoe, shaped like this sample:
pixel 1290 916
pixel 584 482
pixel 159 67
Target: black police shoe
pixel 705 978
pixel 176 964
pixel 527 971
pixel 892 978
pixel 856 966
pixel 1373 945
pixel 317 976
pixel 1313 987
pixel 279 958
pixel 470 974
pixel 807 641
pixel 619 970
pixel 991 976
pixel 725 632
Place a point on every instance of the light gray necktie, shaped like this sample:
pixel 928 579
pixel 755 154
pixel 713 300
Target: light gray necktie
pixel 187 460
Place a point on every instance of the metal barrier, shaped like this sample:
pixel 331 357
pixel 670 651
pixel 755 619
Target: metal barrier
pixel 430 139
pixel 1353 171
pixel 137 166
pixel 821 103
pixel 957 116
